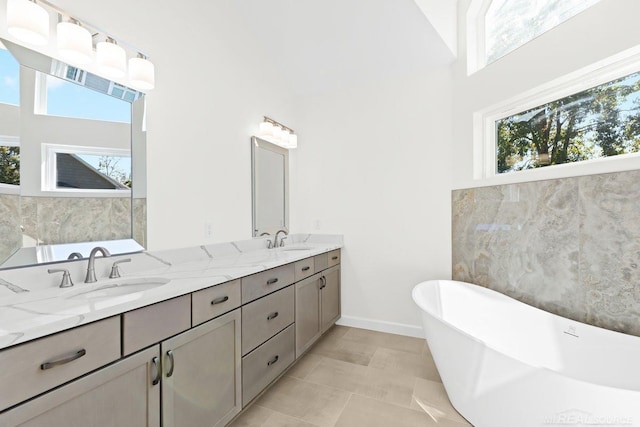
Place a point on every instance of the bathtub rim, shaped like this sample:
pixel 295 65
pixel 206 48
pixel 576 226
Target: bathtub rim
pixel 484 343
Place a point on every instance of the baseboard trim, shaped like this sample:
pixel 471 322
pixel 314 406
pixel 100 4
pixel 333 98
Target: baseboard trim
pixel 381 326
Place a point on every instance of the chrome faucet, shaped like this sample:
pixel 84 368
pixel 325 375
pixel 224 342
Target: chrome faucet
pixel 91 270
pixel 275 239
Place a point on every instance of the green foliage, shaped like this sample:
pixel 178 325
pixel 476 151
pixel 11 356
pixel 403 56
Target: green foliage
pixel 599 122
pixel 10 165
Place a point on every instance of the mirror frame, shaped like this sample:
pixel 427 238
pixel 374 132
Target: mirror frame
pixel 261 144
pixel 50 253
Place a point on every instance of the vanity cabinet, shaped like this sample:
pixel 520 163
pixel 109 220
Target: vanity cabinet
pixel 194 360
pixel 201 378
pixel 317 307
pixel 126 393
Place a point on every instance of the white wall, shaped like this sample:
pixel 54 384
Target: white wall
pixel 374 163
pixel 604 30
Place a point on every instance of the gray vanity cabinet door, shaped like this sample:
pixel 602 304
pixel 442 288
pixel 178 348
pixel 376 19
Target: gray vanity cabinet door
pixel 330 297
pixel 201 374
pixel 308 328
pixel 122 394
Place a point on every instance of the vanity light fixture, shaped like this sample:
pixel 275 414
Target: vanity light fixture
pixel 278 134
pixel 74 42
pixel 111 58
pixel 141 72
pixel 28 22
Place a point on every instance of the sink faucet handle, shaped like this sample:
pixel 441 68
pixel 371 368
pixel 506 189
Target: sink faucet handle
pixel 66 277
pixel 282 241
pixel 269 242
pixel 115 271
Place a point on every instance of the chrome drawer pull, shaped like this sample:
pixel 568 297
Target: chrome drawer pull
pixel 272 361
pixel 77 355
pixel 220 300
pixel 333 258
pixel 155 363
pixel 272 315
pixel 272 281
pixel 305 268
pixel 170 370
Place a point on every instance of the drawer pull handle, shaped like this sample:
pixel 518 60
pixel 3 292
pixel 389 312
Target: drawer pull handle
pixel 306 268
pixel 170 356
pixel 333 258
pixel 75 356
pixel 323 282
pixel 220 300
pixel 272 281
pixel 155 364
pixel 272 361
pixel 273 315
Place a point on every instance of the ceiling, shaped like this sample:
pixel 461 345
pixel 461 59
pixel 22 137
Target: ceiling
pixel 315 45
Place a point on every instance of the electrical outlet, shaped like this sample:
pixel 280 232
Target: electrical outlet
pixel 317 224
pixel 208 230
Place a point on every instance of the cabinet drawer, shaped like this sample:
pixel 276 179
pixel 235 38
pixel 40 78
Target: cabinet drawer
pixel 150 325
pixel 334 257
pixel 304 268
pixel 212 302
pixel 266 363
pixel 265 282
pixel 267 316
pixel 40 365
pixel 321 262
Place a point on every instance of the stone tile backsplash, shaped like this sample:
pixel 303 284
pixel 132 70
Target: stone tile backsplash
pixel 569 246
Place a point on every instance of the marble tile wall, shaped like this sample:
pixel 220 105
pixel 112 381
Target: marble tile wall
pixel 51 220
pixel 10 230
pixel 569 246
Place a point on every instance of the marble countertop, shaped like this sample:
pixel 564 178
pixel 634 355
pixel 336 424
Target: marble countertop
pixel 32 305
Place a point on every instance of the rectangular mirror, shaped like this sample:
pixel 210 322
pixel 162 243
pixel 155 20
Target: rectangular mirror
pixel 72 161
pixel 270 187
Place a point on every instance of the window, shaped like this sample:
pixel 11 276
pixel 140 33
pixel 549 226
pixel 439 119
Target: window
pixel 601 121
pixel 9 161
pixel 9 78
pixel 72 168
pixel 497 27
pixel 87 104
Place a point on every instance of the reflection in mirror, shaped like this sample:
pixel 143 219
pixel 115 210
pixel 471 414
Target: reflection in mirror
pixel 72 151
pixel 270 187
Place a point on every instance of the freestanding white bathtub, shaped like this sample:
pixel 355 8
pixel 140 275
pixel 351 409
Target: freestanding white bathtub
pixel 504 363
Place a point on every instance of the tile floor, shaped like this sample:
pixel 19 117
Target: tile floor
pixel 357 378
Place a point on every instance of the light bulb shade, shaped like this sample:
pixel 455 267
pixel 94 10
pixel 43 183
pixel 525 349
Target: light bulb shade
pixel 293 141
pixel 74 43
pixel 111 59
pixel 28 22
pixel 266 129
pixel 284 137
pixel 142 74
pixel 277 132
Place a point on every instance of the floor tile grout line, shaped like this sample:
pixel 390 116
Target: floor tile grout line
pixel 343 408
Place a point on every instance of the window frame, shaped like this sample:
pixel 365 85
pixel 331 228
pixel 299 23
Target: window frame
pixel 484 123
pixel 50 168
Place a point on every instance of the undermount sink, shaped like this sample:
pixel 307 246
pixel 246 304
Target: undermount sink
pixel 120 287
